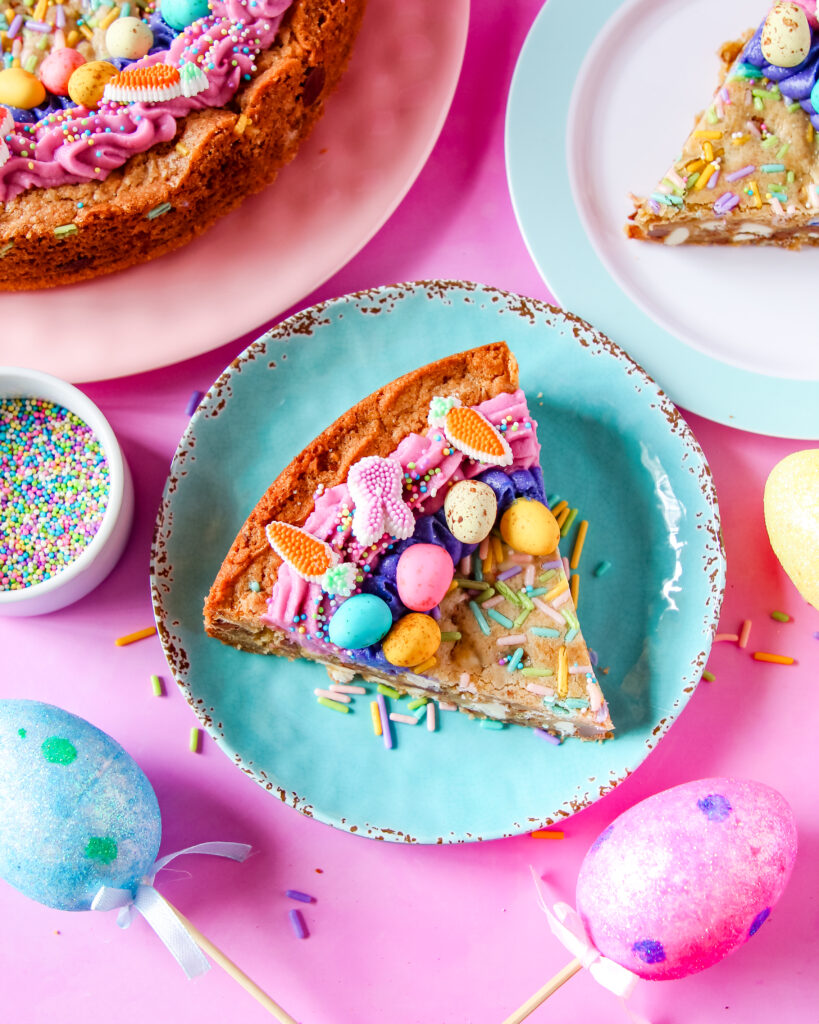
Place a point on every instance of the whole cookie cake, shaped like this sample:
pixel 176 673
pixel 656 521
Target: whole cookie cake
pixel 749 171
pixel 126 129
pixel 412 544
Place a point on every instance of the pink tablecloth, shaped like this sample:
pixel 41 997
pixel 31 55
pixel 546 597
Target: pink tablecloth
pixel 405 935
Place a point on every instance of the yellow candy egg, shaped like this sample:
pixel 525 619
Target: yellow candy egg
pixel 792 518
pixel 786 36
pixel 529 527
pixel 19 88
pixel 87 84
pixel 412 640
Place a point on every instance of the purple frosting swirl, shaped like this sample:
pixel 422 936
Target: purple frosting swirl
pixel 795 83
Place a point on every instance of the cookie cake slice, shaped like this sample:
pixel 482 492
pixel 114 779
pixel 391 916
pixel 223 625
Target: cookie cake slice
pixel 749 171
pixel 410 543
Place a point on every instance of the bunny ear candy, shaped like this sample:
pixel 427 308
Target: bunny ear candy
pixel 80 829
pixel 676 883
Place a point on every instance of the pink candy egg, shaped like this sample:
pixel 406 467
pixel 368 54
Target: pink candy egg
pixel 57 68
pixel 687 876
pixel 423 576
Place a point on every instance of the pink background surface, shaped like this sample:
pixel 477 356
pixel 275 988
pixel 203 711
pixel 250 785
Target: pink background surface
pixel 409 935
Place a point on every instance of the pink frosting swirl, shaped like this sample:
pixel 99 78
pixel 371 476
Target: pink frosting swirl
pixel 79 145
pixel 419 455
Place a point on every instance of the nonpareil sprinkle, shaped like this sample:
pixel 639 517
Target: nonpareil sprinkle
pixel 54 482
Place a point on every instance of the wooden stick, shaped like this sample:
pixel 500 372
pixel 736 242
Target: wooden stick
pixel 543 994
pixel 238 975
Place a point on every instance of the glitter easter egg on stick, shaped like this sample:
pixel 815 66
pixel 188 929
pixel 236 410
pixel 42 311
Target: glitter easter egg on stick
pixel 675 884
pixel 80 830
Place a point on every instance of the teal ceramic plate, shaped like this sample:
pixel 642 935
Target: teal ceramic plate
pixel 576 144
pixel 617 449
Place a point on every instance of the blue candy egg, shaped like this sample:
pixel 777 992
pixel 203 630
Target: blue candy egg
pixel 77 811
pixel 361 621
pixel 181 13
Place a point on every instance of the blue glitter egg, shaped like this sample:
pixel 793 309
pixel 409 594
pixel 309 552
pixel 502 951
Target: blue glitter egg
pixel 78 812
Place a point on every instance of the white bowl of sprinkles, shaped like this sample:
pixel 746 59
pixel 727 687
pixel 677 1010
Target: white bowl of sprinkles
pixel 57 545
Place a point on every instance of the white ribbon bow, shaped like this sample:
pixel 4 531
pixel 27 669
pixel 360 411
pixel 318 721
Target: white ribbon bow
pixel 158 912
pixel 567 926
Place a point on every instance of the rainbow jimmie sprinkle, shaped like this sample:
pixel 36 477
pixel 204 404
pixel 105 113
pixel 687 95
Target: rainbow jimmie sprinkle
pixel 54 485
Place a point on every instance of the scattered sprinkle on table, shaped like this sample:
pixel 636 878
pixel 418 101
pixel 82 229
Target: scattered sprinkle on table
pixel 781 616
pixel 157 687
pixel 745 633
pixel 602 569
pixel 131 638
pixel 726 638
pixel 193 744
pixel 193 403
pixel 776 659
pixel 54 481
pixel 302 897
pixel 298 924
pixel 545 833
pixel 709 677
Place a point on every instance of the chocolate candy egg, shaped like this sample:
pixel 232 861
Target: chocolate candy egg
pixel 792 518
pixel 58 67
pixel 685 877
pixel 78 813
pixel 19 88
pixel 423 576
pixel 412 640
pixel 529 527
pixel 470 508
pixel 128 37
pixel 87 84
pixel 785 40
pixel 360 621
pixel 181 13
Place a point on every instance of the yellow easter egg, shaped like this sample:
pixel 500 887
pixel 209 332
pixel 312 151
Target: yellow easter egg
pixel 412 640
pixel 792 518
pixel 87 84
pixel 19 88
pixel 529 527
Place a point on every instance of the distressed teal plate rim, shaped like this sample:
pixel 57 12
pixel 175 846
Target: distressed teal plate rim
pixel 621 450
pixel 536 133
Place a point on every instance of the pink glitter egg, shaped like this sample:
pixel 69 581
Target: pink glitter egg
pixel 58 67
pixel 687 876
pixel 423 576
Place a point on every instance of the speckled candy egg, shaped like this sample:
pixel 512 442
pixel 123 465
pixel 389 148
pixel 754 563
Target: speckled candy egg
pixel 128 37
pixel 87 84
pixel 58 67
pixel 470 508
pixel 412 640
pixel 78 813
pixel 792 518
pixel 785 40
pixel 360 621
pixel 19 88
pixel 529 527
pixel 181 13
pixel 423 575
pixel 685 877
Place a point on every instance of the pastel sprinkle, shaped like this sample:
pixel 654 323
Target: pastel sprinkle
pixel 302 897
pixel 298 924
pixel 490 723
pixel 333 705
pixel 515 660
pixel 193 743
pixel 480 618
pixel 536 671
pixel 376 717
pixel 726 638
pixel 340 698
pixel 431 717
pixel 54 482
pixel 602 569
pixel 344 688
pixel 384 715
pixel 132 638
pixel 503 576
pixel 405 719
pixel 157 687
pixel 193 403
pixel 776 659
pixel 511 640
pixel 502 619
pixel 780 616
pixel 545 833
pixel 709 677
pixel 550 737
pixel 743 172
pixel 389 691
pixel 745 633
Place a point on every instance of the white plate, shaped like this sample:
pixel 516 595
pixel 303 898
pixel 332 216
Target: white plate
pixel 707 297
pixel 600 104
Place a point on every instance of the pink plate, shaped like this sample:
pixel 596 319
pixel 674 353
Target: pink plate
pixel 375 136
